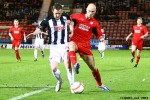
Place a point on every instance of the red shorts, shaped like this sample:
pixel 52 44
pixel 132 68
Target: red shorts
pixel 138 44
pixel 16 43
pixel 84 48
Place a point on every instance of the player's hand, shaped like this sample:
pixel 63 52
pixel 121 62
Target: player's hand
pixel 102 30
pixel 25 40
pixel 12 38
pixel 142 37
pixel 127 38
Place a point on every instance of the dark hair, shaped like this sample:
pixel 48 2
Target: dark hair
pixel 56 6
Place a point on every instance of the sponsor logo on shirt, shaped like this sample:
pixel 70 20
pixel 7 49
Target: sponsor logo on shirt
pixel 137 31
pixel 16 32
pixel 59 28
pixel 84 27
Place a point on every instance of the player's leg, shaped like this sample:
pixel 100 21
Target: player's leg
pixel 72 56
pixel 54 60
pixel 56 74
pixel 137 58
pixel 16 45
pixel 102 53
pixel 70 73
pixel 17 54
pixel 133 49
pixel 35 52
pixel 89 60
pixel 42 47
pixel 139 49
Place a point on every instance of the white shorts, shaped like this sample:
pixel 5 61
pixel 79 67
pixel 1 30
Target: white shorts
pixel 101 46
pixel 58 52
pixel 39 42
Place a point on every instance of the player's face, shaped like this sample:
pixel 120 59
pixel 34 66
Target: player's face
pixel 16 23
pixel 139 21
pixel 57 13
pixel 90 11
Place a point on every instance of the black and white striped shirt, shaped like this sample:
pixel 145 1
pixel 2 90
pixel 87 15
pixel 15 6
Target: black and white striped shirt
pixel 57 29
pixel 39 36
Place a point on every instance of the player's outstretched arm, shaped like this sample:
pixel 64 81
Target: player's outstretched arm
pixel 45 33
pixel 24 37
pixel 128 36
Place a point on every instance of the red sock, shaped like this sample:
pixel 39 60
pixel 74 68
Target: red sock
pixel 97 77
pixel 137 59
pixel 17 54
pixel 133 54
pixel 73 58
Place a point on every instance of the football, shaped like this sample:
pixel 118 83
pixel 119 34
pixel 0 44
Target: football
pixel 77 88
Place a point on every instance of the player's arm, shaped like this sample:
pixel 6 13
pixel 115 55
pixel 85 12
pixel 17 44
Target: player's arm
pixel 43 25
pixel 129 36
pixel 24 37
pixel 11 37
pixel 144 36
pixel 146 32
pixel 71 26
pixel 97 31
pixel 29 35
pixel 45 33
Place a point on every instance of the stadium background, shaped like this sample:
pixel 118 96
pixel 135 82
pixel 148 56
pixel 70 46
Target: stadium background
pixel 115 16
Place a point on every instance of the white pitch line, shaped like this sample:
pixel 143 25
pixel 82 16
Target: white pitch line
pixel 30 93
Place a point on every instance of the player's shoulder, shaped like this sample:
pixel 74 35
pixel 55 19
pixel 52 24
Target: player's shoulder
pixel 77 15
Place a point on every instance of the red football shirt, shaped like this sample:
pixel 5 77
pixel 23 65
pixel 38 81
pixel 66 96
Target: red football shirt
pixel 16 32
pixel 138 31
pixel 84 28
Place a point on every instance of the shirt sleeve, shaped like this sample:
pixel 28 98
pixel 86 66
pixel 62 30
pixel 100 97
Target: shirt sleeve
pixel 10 30
pixel 43 25
pixel 73 16
pixel 22 31
pixel 97 30
pixel 145 29
pixel 132 29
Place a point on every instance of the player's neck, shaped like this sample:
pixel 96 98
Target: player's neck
pixel 88 18
pixel 139 24
pixel 16 26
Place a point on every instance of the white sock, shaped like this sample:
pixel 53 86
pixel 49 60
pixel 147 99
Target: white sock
pixel 102 54
pixel 70 75
pixel 57 75
pixel 35 53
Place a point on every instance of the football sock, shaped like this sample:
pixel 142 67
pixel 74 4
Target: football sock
pixel 57 75
pixel 17 54
pixel 73 58
pixel 102 54
pixel 137 59
pixel 133 54
pixel 35 53
pixel 97 77
pixel 70 75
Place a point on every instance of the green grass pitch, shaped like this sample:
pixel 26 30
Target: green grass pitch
pixel 125 81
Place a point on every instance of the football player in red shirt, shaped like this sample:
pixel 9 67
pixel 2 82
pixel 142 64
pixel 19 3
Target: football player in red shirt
pixel 139 32
pixel 84 26
pixel 16 33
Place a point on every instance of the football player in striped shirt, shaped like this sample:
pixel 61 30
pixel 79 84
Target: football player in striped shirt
pixel 39 41
pixel 58 29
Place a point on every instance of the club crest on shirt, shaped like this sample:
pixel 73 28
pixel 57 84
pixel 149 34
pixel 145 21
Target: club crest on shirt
pixel 91 22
